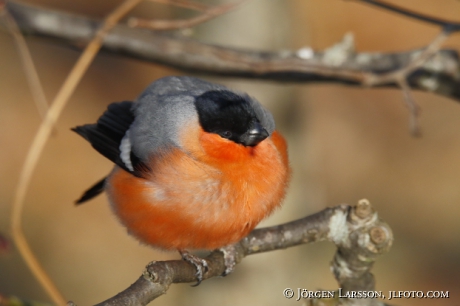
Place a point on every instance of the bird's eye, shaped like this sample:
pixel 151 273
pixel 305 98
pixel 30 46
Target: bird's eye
pixel 226 134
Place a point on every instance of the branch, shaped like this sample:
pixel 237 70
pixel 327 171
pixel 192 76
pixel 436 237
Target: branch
pixel 440 74
pixel 207 14
pixel 358 233
pixel 400 77
pixel 447 25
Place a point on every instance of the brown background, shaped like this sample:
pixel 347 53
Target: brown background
pixel 345 144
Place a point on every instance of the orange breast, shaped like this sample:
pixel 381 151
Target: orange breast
pixel 210 196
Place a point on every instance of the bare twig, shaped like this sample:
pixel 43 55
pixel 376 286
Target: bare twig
pixel 40 140
pixel 450 26
pixel 440 74
pixel 401 76
pixel 357 231
pixel 414 108
pixel 417 61
pixel 38 94
pixel 208 13
pixel 197 6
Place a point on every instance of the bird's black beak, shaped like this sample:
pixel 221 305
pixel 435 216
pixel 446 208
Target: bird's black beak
pixel 254 135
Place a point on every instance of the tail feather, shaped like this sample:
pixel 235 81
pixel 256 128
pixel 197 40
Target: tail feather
pixel 92 192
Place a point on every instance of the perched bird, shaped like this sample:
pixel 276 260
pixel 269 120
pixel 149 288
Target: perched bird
pixel 197 165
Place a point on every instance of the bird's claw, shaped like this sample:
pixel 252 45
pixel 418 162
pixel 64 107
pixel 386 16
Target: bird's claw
pixel 200 264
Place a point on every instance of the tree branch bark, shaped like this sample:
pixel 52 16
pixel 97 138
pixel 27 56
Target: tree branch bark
pixel 440 74
pixel 358 233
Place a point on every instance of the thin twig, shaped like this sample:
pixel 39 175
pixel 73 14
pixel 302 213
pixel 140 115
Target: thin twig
pixel 401 76
pixel 40 140
pixel 38 94
pixel 208 14
pixel 417 61
pixel 414 108
pixel 449 25
pixel 197 6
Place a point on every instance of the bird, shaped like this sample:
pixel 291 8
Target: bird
pixel 197 165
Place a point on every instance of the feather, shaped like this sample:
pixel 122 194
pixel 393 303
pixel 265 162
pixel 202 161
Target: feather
pixel 92 192
pixel 106 135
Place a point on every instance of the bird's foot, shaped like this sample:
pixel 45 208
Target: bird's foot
pixel 200 264
pixel 230 253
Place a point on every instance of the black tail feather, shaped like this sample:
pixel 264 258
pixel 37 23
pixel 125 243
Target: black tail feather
pixel 95 190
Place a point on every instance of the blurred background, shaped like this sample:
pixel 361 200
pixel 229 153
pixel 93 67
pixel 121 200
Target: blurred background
pixel 345 144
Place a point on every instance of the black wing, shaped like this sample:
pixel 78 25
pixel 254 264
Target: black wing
pixel 105 136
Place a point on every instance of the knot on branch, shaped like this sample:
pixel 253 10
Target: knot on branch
pixel 364 238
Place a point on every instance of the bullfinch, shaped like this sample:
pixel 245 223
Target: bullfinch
pixel 197 165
